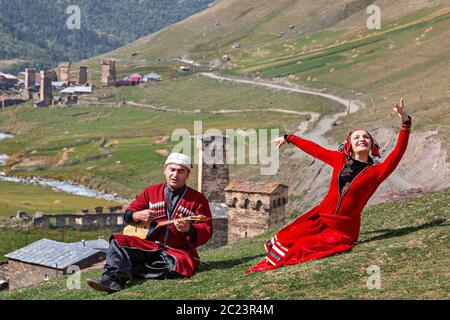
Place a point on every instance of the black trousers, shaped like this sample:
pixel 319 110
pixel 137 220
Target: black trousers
pixel 125 264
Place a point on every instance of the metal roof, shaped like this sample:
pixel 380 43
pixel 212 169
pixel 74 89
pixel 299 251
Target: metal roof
pixel 99 244
pixel 77 90
pixel 152 76
pixel 52 254
pixel 8 76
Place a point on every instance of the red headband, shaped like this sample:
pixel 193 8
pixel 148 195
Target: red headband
pixel 347 147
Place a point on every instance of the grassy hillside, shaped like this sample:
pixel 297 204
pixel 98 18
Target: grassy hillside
pixel 408 240
pixel 17 197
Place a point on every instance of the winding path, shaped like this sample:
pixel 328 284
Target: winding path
pixel 323 125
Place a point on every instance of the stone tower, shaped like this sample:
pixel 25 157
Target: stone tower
pixel 64 73
pixel 46 95
pixel 213 168
pixel 30 79
pixel 30 84
pixel 83 76
pixel 108 73
pixel 254 208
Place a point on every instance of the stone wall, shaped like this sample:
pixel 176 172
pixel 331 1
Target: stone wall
pixel 23 274
pixel 8 102
pixel 3 271
pixel 84 222
pixel 220 234
pixel 251 214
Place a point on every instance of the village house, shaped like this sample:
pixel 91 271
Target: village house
pixel 136 78
pixel 254 208
pixel 7 81
pixel 46 259
pixel 152 77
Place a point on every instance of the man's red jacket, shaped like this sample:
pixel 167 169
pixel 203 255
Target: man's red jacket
pixel 180 245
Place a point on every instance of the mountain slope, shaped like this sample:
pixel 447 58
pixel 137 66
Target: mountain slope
pixel 326 45
pixel 105 25
pixel 258 23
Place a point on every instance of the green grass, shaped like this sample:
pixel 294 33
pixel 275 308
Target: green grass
pixel 291 59
pixel 31 199
pixel 408 241
pixel 303 67
pixel 198 93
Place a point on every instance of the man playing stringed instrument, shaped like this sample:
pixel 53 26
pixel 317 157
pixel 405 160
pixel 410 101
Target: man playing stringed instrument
pixel 178 220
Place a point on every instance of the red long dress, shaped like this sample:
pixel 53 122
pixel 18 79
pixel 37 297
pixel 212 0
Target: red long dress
pixel 333 226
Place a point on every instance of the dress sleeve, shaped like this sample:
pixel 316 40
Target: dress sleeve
pixel 393 159
pixel 314 150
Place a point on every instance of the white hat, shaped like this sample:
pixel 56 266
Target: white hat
pixel 180 159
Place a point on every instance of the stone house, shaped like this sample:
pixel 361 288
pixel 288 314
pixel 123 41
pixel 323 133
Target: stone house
pixel 46 259
pixel 254 208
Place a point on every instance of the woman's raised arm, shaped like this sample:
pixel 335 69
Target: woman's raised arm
pixel 390 164
pixel 311 148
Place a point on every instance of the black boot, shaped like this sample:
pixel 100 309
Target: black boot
pixel 107 283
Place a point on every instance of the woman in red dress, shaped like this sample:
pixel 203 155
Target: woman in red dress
pixel 333 226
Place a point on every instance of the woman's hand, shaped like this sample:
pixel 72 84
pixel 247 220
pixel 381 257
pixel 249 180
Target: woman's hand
pixel 144 216
pixel 279 142
pixel 400 110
